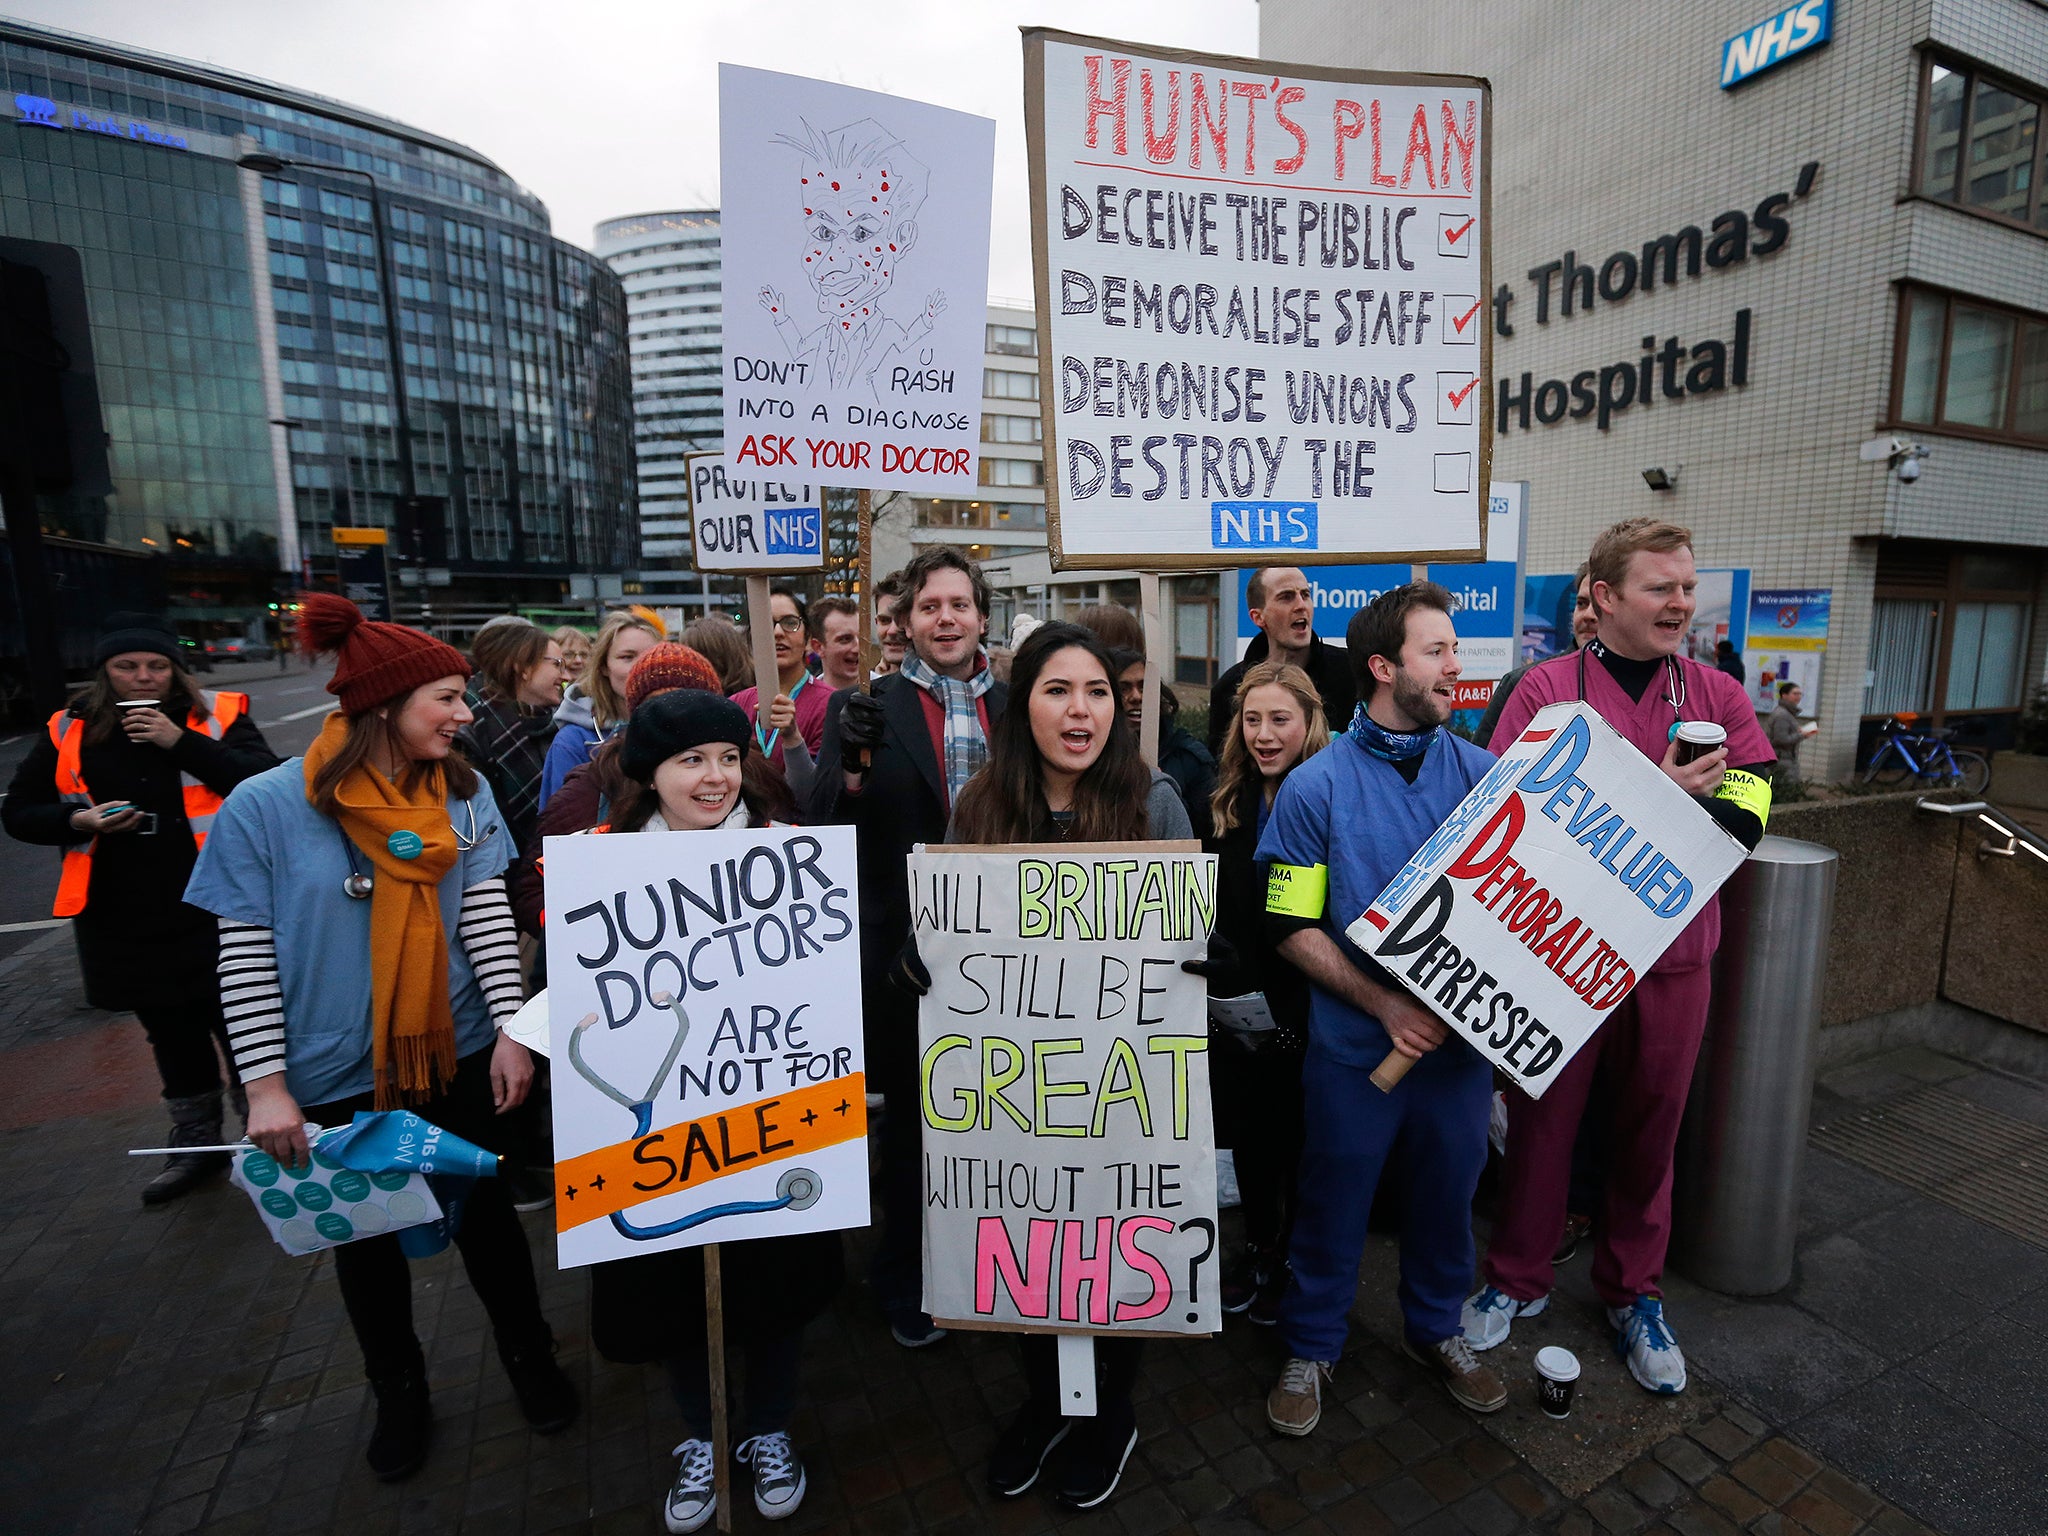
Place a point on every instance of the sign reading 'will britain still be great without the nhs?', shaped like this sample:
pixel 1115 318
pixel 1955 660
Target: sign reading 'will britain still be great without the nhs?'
pixel 1558 882
pixel 1261 301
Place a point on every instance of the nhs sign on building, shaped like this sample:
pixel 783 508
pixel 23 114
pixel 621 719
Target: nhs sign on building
pixel 1800 26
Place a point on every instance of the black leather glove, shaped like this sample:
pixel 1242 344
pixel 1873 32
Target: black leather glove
pixel 908 972
pixel 860 730
pixel 1222 961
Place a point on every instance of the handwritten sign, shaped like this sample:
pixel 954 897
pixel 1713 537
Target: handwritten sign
pixel 855 274
pixel 1070 1167
pixel 1533 910
pixel 750 525
pixel 1261 308
pixel 704 1022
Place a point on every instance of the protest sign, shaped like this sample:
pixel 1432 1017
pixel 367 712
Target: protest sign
pixel 704 1017
pixel 1533 910
pixel 1262 313
pixel 750 525
pixel 1788 641
pixel 1070 1165
pixel 855 229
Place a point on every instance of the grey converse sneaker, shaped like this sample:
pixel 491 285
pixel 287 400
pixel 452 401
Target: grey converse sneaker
pixel 779 1480
pixel 694 1498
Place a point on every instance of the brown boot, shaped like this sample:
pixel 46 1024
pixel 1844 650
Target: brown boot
pixel 1452 1362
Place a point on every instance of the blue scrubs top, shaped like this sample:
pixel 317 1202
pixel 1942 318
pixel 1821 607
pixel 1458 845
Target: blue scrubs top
pixel 274 861
pixel 1355 815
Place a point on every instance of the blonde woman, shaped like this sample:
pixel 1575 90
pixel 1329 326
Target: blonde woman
pixel 594 708
pixel 575 646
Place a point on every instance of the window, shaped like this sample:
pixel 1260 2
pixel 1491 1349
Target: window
pixel 1194 632
pixel 1902 636
pixel 1980 143
pixel 1985 656
pixel 1002 384
pixel 1971 367
pixel 1012 472
pixel 997 428
pixel 1013 340
pixel 1949 636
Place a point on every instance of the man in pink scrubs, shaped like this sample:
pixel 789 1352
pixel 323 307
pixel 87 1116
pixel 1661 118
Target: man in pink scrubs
pixel 1642 577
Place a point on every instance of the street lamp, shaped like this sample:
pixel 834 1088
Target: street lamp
pixel 270 165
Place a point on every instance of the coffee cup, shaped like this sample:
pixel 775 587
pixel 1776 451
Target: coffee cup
pixel 1557 1379
pixel 135 703
pixel 1696 738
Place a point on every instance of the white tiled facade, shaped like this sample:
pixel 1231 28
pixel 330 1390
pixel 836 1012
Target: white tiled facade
pixel 1610 129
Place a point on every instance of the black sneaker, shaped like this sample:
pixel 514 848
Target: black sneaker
pixel 1265 1307
pixel 545 1395
pixel 1093 1462
pixel 1021 1450
pixel 405 1426
pixel 1241 1281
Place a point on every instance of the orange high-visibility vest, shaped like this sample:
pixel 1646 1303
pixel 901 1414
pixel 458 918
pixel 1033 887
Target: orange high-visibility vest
pixel 67 734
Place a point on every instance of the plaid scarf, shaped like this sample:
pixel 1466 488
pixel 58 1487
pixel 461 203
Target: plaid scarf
pixel 966 742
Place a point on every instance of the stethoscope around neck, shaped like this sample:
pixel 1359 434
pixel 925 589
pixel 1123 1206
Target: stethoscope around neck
pixel 1674 685
pixel 357 885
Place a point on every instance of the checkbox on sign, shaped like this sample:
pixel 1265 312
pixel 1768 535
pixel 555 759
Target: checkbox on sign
pixel 1461 322
pixel 1456 397
pixel 1454 473
pixel 1456 234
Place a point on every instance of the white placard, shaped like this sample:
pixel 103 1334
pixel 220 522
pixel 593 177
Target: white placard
pixel 704 1017
pixel 1533 910
pixel 1070 1162
pixel 855 229
pixel 1261 308
pixel 751 525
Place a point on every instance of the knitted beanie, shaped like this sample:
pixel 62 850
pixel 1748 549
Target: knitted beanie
pixel 667 666
pixel 127 632
pixel 675 722
pixel 374 662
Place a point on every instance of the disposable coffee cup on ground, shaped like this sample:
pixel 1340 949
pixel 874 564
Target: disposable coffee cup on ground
pixel 1557 1379
pixel 1696 738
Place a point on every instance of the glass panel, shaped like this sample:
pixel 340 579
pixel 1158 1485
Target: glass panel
pixel 1963 650
pixel 1985 656
pixel 2001 160
pixel 1902 634
pixel 1943 126
pixel 2031 415
pixel 1921 373
pixel 1979 368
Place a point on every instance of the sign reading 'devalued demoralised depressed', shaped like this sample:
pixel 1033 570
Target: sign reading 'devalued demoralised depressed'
pixel 1261 308
pixel 1069 1161
pixel 751 525
pixel 1533 910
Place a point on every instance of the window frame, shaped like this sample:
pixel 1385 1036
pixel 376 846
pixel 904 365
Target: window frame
pixel 1895 416
pixel 1973 72
pixel 1947 596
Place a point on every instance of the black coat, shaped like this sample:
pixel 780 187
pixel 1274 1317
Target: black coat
pixel 138 941
pixel 1328 667
pixel 1241 919
pixel 1192 768
pixel 651 1306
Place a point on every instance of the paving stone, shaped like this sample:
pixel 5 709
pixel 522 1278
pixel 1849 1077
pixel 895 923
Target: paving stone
pixel 1652 1484
pixel 1732 1499
pixel 1446 1477
pixel 1767 1477
pixel 1359 1516
pixel 1823 1516
pixel 1404 1500
pixel 1791 1457
pixel 1485 1513
pixel 1407 1442
pixel 1366 1463
pixel 1523 1494
pixel 1724 1437
pixel 1855 1498
pixel 1684 1456
pixel 1698 1519
pixel 1617 1513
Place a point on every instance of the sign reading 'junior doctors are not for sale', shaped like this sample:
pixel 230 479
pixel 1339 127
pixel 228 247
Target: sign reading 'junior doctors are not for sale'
pixel 1261 307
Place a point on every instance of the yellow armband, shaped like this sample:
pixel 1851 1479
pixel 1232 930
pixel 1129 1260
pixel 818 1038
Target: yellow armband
pixel 1295 891
pixel 1747 790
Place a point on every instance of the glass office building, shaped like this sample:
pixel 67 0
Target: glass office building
pixel 238 320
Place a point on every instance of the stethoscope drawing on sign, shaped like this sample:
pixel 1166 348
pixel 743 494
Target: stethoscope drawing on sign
pixel 797 1190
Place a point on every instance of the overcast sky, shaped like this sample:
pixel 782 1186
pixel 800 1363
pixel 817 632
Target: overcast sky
pixel 609 107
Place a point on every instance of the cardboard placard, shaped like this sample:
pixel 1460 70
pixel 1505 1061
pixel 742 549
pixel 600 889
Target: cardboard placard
pixel 855 230
pixel 750 525
pixel 705 1024
pixel 1262 308
pixel 1533 910
pixel 1070 1165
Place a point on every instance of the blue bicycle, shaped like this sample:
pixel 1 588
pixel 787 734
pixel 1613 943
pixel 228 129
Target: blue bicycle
pixel 1925 759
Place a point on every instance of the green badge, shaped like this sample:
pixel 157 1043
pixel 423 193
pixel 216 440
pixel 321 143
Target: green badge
pixel 302 1171
pixel 315 1197
pixel 279 1204
pixel 334 1227
pixel 350 1186
pixel 326 1160
pixel 390 1180
pixel 260 1169
pixel 405 845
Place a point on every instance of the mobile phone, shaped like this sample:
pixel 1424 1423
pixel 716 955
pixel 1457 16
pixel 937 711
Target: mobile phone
pixel 121 809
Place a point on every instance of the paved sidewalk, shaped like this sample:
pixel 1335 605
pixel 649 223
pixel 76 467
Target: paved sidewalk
pixel 172 1371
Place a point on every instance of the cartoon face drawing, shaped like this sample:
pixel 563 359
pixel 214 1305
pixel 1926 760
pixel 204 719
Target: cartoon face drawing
pixel 860 191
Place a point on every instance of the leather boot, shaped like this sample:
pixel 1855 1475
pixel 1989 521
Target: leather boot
pixel 405 1425
pixel 195 1122
pixel 545 1395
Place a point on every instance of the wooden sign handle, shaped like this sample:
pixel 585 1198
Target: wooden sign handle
pixel 714 1364
pixel 1152 621
pixel 870 652
pixel 1388 1074
pixel 761 627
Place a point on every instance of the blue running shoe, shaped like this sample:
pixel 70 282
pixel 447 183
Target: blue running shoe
pixel 1644 1339
pixel 1489 1315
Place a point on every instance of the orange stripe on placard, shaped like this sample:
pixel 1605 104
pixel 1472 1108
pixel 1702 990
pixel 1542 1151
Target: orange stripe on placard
pixel 691 1153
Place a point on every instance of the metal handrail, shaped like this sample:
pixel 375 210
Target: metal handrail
pixel 2016 836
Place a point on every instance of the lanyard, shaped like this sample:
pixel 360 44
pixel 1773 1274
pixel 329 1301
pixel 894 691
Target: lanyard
pixel 768 741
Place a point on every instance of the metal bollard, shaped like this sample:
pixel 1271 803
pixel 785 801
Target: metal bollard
pixel 1735 1193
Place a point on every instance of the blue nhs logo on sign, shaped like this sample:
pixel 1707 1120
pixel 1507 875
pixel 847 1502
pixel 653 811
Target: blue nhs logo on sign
pixel 1806 24
pixel 795 531
pixel 1262 525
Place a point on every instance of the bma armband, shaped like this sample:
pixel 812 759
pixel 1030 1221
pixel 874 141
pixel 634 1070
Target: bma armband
pixel 1748 791
pixel 1293 890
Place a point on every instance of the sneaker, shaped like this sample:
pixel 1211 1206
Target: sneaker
pixel 1014 1464
pixel 1452 1362
pixel 694 1498
pixel 1241 1288
pixel 1295 1405
pixel 1643 1337
pixel 1490 1314
pixel 916 1330
pixel 532 1189
pixel 405 1425
pixel 1576 1228
pixel 779 1480
pixel 1265 1307
pixel 545 1395
pixel 1093 1462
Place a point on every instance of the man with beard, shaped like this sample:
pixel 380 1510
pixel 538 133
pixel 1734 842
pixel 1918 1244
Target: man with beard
pixel 1282 603
pixel 1344 824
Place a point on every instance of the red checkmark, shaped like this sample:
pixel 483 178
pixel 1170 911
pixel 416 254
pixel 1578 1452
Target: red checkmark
pixel 1461 321
pixel 1457 396
pixel 1453 235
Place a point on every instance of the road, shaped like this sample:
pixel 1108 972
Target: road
pixel 288 710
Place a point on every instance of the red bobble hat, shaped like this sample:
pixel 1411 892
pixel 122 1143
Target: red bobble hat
pixel 667 666
pixel 373 662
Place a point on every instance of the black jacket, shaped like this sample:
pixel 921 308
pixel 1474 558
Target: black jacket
pixel 138 942
pixel 1241 919
pixel 1328 667
pixel 902 803
pixel 1192 768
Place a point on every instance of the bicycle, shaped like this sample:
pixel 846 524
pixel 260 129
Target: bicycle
pixel 1925 759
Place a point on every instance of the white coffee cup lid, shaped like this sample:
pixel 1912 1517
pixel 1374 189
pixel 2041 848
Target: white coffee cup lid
pixel 1558 1364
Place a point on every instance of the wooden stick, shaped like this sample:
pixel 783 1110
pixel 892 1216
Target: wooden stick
pixel 1155 647
pixel 767 677
pixel 714 1341
pixel 1392 1068
pixel 870 651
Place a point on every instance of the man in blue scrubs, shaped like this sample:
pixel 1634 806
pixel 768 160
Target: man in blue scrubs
pixel 1344 824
